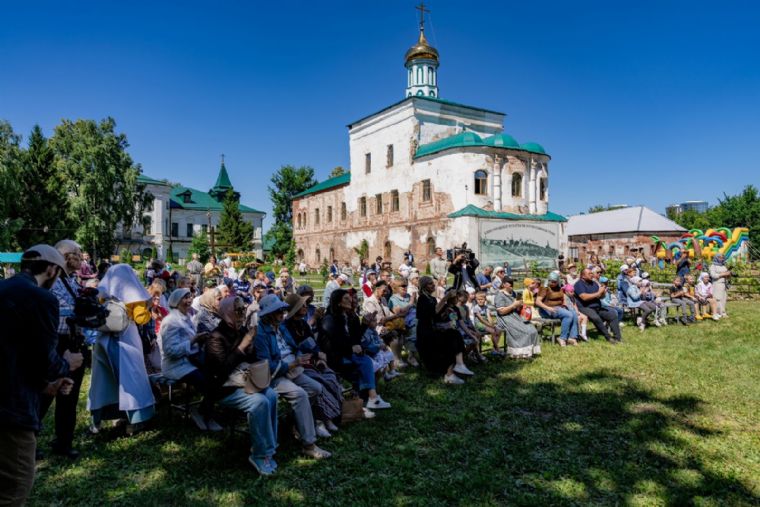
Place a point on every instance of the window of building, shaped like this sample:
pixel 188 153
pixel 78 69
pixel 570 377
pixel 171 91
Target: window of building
pixel 189 230
pixel 318 255
pixel 316 216
pixel 332 253
pixel 367 163
pixel 329 214
pixel 387 250
pixel 481 182
pixel 379 204
pixel 542 189
pixel 300 254
pixel 395 204
pixel 389 156
pixel 431 246
pixel 175 230
pixel 363 207
pixel 517 185
pixel 298 221
pixel 148 225
pixel 573 252
pixel 426 193
pixel 611 251
pixel 343 211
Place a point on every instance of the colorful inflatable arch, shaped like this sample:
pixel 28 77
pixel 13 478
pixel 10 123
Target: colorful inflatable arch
pixel 732 244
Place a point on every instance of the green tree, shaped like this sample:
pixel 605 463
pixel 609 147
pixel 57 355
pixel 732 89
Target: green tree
pixel 234 233
pixel 10 190
pixel 101 181
pixel 200 245
pixel 362 250
pixel 337 171
pixel 691 219
pixel 286 183
pixel 46 199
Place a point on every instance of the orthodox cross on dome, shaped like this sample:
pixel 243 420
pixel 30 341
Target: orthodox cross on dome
pixel 422 10
pixel 222 158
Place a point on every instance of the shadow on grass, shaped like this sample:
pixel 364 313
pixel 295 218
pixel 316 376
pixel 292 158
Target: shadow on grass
pixel 593 438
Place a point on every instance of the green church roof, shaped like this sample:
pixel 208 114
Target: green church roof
pixel 146 180
pixel 533 148
pixel 473 211
pixel 192 198
pixel 502 141
pixel 464 139
pixel 337 181
pixel 223 180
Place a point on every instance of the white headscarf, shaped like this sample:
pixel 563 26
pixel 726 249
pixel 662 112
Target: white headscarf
pixel 120 282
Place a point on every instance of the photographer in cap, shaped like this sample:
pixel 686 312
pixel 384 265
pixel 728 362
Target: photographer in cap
pixel 28 322
pixel 70 345
pixel 463 268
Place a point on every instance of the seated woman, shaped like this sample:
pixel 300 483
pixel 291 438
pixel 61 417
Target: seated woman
pixel 229 351
pixel 327 406
pixel 523 341
pixel 551 305
pixel 286 364
pixel 207 318
pixel 703 292
pixel 439 343
pixel 403 301
pixel 340 336
pixel 634 300
pixel 119 385
pixel 180 354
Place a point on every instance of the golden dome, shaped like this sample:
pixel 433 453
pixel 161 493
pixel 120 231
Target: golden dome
pixel 421 50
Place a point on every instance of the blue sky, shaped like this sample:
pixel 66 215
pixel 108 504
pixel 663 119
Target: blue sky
pixel 644 102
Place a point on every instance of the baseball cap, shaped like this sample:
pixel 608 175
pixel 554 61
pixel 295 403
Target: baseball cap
pixel 45 253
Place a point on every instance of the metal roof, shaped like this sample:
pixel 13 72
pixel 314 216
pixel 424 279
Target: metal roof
pixel 337 181
pixel 473 211
pixel 634 219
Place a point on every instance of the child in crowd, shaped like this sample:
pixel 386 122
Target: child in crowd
pixel 440 288
pixel 483 316
pixel 472 338
pixel 377 349
pixel 689 287
pixel 530 291
pixel 648 295
pixel 609 300
pixel 570 304
pixel 680 296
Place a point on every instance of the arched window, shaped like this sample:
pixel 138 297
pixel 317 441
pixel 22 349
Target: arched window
pixel 431 246
pixel 481 182
pixel 419 75
pixel 332 253
pixel 409 78
pixel 420 93
pixel 318 255
pixel 542 189
pixel 517 185
pixel 432 93
pixel 298 221
pixel 387 250
pixel 430 75
pixel 316 216
pixel 300 255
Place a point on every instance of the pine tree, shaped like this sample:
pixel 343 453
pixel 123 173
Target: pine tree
pixel 286 183
pixel 234 233
pixel 200 246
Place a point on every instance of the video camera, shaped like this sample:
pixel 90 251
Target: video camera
pixel 453 253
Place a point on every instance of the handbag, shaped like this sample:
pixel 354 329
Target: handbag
pixel 117 319
pixel 352 410
pixel 253 377
pixel 526 313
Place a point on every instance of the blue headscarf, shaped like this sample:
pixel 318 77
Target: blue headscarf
pixel 719 260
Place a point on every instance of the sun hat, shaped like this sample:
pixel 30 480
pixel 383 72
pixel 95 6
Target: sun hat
pixel 295 302
pixel 270 304
pixel 342 277
pixel 45 253
pixel 176 296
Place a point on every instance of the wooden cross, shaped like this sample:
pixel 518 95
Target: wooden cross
pixel 422 10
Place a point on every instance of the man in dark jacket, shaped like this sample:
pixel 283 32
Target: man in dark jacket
pixel 28 322
pixel 463 268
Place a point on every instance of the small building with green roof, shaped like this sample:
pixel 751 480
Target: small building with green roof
pixel 180 212
pixel 428 172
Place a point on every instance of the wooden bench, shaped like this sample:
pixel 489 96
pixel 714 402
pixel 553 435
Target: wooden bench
pixel 185 404
pixel 551 324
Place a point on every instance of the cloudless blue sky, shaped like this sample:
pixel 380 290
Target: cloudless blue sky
pixel 645 102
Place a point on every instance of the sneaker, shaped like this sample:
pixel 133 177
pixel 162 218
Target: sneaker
pixel 698 317
pixel 621 324
pixel 561 342
pixel 199 420
pixel 483 359
pixel 377 403
pixel 463 370
pixel 316 453
pixel 583 338
pixel 400 363
pixel 657 322
pixel 642 326
pixel 639 320
pixel 212 425
pixel 716 317
pixel 684 321
pixel 331 426
pixel 368 414
pixel 413 362
pixel 572 341
pixel 452 379
pixel 321 430
pixel 262 465
pixel 664 321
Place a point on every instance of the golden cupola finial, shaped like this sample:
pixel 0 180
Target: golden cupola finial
pixel 422 49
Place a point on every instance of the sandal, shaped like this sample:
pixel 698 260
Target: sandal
pixel 316 453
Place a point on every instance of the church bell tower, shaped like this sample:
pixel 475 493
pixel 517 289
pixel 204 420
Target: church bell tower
pixel 421 62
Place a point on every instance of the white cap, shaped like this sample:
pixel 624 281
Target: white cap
pixel 45 253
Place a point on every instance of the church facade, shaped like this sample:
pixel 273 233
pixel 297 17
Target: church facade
pixel 425 173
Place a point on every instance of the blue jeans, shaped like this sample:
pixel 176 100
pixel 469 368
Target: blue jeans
pixel 569 326
pixel 261 409
pixel 364 368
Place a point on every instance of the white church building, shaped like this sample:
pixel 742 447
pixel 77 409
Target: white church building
pixel 427 172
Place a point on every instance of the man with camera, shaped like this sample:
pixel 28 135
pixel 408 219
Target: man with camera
pixel 463 268
pixel 70 346
pixel 28 321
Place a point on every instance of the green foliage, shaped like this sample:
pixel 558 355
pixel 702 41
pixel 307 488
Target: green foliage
pixel 290 256
pixel 324 269
pixel 362 250
pixel 337 171
pixel 286 182
pixel 169 254
pixel 10 190
pixel 234 234
pixel 200 245
pixel 101 180
pixel 599 207
pixel 125 256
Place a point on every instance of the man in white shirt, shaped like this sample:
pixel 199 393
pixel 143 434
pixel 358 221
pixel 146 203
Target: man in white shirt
pixel 438 265
pixel 339 282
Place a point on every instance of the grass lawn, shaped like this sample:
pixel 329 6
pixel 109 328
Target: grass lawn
pixel 668 418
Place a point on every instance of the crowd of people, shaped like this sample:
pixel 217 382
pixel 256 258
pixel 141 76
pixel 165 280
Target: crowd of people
pixel 247 339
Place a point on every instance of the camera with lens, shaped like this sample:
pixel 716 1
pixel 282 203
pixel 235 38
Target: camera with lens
pixel 88 312
pixel 453 253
